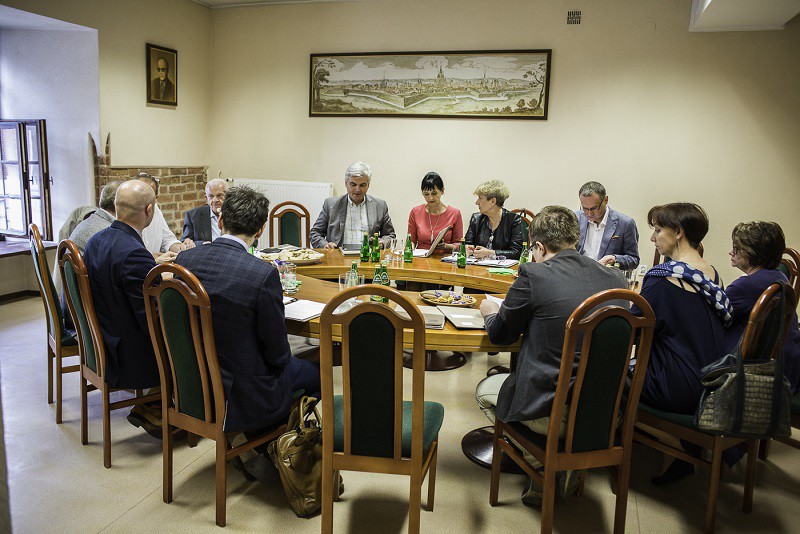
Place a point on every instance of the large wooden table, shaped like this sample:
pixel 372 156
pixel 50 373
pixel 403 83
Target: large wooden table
pixel 427 270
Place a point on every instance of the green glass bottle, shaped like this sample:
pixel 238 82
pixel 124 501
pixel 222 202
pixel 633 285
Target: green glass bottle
pixel 365 248
pixel 523 257
pixel 376 279
pixel 408 252
pixel 461 261
pixel 376 249
pixel 384 279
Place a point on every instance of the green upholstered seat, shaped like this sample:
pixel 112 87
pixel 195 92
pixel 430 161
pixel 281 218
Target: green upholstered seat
pixel 290 230
pixel 434 416
pixel 796 403
pixel 682 419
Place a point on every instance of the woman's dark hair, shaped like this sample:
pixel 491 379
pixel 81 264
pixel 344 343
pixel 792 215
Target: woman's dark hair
pixel 690 218
pixel 760 242
pixel 432 181
pixel 244 211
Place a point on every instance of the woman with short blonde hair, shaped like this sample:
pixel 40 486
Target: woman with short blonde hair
pixel 494 231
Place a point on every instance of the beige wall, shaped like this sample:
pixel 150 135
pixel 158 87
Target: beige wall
pixel 637 102
pixel 143 134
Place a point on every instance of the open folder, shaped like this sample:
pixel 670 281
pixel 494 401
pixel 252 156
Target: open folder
pixel 423 252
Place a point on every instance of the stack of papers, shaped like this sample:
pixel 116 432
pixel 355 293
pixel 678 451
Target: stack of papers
pixel 483 263
pixel 303 310
pixel 434 319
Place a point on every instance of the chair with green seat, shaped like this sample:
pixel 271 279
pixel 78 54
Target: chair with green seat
pixel 91 346
pixel 761 340
pixel 193 397
pixel 374 429
pixel 60 343
pixel 527 217
pixel 790 266
pixel 289 224
pixel 609 332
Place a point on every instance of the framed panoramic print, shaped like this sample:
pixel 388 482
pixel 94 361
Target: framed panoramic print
pixel 500 84
pixel 162 75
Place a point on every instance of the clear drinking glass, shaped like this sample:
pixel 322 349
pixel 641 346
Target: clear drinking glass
pixel 349 279
pixel 390 250
pixel 398 247
pixel 289 278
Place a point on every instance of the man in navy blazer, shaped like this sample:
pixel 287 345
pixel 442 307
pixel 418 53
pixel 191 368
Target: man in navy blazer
pixel 202 224
pixel 258 370
pixel 607 236
pixel 117 263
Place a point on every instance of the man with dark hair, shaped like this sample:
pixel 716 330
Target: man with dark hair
pixel 258 371
pixel 607 235
pixel 537 307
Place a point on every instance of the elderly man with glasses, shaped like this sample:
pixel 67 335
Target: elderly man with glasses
pixel 607 236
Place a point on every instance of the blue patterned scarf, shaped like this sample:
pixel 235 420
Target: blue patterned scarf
pixel 714 295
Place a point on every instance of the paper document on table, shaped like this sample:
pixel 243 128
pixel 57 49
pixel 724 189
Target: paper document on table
pixel 497 263
pixel 288 300
pixel 496 300
pixel 421 252
pixel 463 317
pixel 303 310
pixel 434 318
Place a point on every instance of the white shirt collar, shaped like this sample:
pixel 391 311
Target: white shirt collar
pixel 234 238
pixel 350 201
pixel 213 215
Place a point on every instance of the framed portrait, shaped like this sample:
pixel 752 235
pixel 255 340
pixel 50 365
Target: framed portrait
pixel 494 84
pixel 162 75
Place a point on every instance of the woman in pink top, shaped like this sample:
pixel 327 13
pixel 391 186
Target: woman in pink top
pixel 427 220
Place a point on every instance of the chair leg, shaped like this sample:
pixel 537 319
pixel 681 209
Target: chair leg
pixel 327 493
pixel 84 411
pixel 222 447
pixel 166 448
pixel 497 453
pixel 623 480
pixel 548 499
pixel 432 477
pixel 713 484
pixel 192 439
pixel 414 501
pixel 106 428
pixel 763 449
pixel 335 482
pixel 50 358
pixel 749 482
pixel 59 382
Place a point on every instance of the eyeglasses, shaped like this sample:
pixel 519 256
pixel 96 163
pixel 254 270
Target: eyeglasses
pixel 595 209
pixel 160 69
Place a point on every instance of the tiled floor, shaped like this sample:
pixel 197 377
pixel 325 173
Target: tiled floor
pixel 57 485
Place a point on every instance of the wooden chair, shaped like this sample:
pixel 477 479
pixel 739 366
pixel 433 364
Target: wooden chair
pixel 91 346
pixel 60 343
pixel 370 428
pixel 609 335
pixel 193 397
pixel 658 259
pixel 760 341
pixel 286 222
pixel 790 266
pixel 527 219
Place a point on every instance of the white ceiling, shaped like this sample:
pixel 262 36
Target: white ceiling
pixel 741 15
pixel 215 4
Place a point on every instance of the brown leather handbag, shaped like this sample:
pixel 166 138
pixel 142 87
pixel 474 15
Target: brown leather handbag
pixel 297 454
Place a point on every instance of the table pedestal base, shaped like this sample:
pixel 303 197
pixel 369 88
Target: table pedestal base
pixel 477 446
pixel 438 360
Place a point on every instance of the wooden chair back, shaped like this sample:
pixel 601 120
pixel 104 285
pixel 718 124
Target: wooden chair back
pixel 372 370
pixel 658 259
pixel 47 290
pixel 527 217
pixel 790 266
pixel 762 337
pixel 91 347
pixel 289 223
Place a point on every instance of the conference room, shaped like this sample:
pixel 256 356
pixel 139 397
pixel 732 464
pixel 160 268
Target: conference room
pixel 650 98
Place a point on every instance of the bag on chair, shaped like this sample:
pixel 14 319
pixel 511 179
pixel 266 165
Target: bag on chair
pixel 749 399
pixel 297 454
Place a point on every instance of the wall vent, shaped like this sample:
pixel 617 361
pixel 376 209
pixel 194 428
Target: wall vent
pixel 573 17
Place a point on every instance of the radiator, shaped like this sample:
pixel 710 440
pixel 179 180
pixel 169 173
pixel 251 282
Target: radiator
pixel 309 194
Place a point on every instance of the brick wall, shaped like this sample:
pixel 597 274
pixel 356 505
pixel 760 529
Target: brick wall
pixel 180 188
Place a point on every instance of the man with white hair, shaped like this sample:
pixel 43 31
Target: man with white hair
pixel 202 224
pixel 344 220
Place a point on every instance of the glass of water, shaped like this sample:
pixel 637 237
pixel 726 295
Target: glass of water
pixel 289 278
pixel 391 248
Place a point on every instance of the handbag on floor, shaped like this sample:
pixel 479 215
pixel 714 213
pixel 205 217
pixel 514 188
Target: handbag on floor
pixel 746 398
pixel 297 454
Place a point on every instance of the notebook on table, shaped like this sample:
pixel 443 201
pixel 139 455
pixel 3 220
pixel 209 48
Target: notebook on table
pixel 434 318
pixel 463 318
pixel 350 249
pixel 424 253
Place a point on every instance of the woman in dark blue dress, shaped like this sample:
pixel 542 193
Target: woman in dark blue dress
pixel 691 313
pixel 756 251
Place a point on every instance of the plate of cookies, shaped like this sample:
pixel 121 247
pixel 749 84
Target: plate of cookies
pixel 447 298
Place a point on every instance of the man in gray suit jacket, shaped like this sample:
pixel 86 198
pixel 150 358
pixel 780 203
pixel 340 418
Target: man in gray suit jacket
pixel 537 307
pixel 343 220
pixel 607 236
